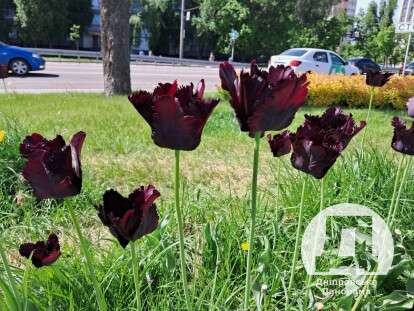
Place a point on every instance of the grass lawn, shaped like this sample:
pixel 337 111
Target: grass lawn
pixel 119 153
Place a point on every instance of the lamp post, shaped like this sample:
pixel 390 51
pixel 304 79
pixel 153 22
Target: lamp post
pixel 182 31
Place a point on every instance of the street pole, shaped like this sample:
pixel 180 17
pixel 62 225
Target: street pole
pixel 406 53
pixel 232 52
pixel 182 29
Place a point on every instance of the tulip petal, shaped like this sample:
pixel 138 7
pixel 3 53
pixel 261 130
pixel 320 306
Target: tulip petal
pixel 280 144
pixel 53 170
pixel 321 139
pixel 403 139
pixel 410 107
pixel 76 146
pixel 129 219
pixel 377 78
pixel 172 129
pixel 142 101
pixel 264 101
pixel 42 254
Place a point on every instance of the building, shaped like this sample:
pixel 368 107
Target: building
pixel 347 6
pixel 91 38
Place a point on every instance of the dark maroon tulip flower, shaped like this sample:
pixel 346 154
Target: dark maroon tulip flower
pixel 176 115
pixel 4 71
pixel 36 142
pixel 43 254
pixel 410 107
pixel 320 140
pixel 403 140
pixel 264 101
pixel 130 218
pixel 280 144
pixel 53 169
pixel 377 78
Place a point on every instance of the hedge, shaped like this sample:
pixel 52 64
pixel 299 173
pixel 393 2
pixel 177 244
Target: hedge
pixel 352 91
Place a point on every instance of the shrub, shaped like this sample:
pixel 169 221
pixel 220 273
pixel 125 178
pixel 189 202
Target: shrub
pixel 352 91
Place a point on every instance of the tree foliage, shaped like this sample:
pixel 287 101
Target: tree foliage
pixel 42 22
pixel 79 13
pixel 377 38
pixel 325 33
pixel 270 26
pixel 162 20
pixel 48 22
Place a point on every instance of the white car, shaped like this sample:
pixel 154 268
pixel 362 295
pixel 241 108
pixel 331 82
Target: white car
pixel 304 60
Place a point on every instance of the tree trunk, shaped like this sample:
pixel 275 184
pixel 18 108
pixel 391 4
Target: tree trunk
pixel 115 46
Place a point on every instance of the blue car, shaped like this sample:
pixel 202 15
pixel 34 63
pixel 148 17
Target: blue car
pixel 20 61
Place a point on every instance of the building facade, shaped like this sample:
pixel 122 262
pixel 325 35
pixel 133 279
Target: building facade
pixel 347 6
pixel 91 38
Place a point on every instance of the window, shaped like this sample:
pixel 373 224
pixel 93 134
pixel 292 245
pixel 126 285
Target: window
pixel 295 52
pixel 321 57
pixel 336 60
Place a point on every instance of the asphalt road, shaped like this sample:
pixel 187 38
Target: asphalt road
pixel 87 77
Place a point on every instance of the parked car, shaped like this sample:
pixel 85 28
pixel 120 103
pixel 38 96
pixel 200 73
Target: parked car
pixel 409 69
pixel 364 64
pixel 20 61
pixel 314 60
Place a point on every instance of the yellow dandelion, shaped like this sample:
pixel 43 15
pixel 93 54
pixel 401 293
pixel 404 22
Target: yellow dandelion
pixel 2 135
pixel 245 246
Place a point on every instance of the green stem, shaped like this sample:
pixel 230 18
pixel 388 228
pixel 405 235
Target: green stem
pixel 368 115
pixel 213 291
pixel 321 205
pixel 397 200
pixel 394 193
pixel 362 293
pixel 25 282
pixel 89 261
pixel 299 229
pixel 136 276
pixel 181 229
pixel 252 219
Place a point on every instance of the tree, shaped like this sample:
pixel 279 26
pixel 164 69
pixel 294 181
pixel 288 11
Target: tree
pixel 74 35
pixel 80 13
pixel 42 22
pixel 162 19
pixel 136 23
pixel 325 34
pixel 115 46
pixel 377 37
pixel 385 40
pixel 217 18
pixel 310 11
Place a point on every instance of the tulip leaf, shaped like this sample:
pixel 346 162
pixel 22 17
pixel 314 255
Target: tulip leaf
pixel 10 299
pixel 346 302
pixel 398 300
pixel 410 286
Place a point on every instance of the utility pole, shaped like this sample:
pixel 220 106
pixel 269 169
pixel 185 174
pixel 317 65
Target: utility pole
pixel 406 53
pixel 182 30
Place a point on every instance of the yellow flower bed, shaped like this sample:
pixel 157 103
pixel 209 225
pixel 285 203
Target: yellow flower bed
pixel 352 91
